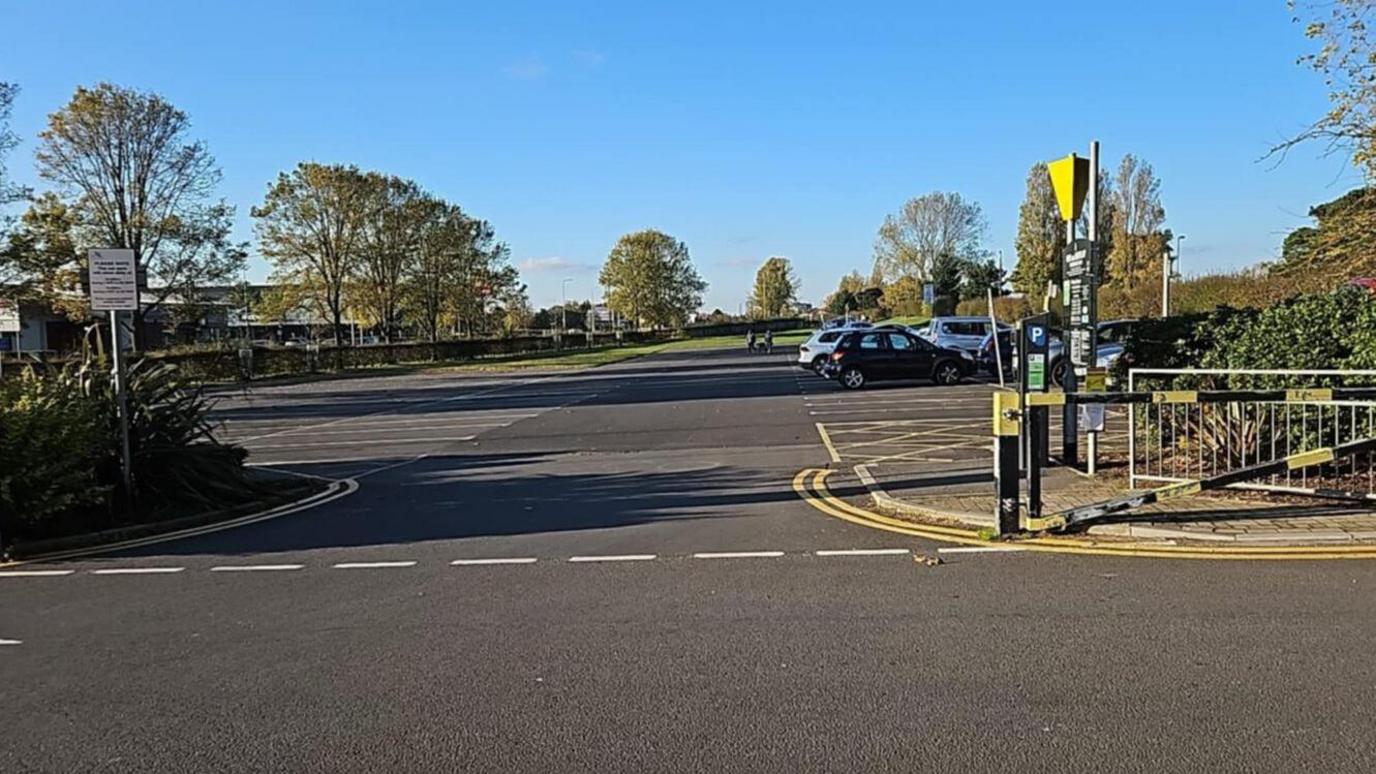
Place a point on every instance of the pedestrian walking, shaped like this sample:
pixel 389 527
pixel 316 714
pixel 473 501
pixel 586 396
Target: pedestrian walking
pixel 750 341
pixel 769 342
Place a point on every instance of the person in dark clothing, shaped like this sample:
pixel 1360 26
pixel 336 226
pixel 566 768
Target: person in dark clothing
pixel 750 341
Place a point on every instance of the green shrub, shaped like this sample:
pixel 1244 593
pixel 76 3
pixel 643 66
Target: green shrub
pixel 53 451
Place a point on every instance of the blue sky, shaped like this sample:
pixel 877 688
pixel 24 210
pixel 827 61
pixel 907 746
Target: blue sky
pixel 778 129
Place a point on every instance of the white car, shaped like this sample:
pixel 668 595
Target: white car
pixel 813 353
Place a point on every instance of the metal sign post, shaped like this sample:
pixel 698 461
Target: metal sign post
pixel 114 286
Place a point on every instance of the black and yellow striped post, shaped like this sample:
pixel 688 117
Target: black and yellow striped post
pixel 1007 406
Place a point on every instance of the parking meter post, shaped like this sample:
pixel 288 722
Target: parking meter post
pixel 1033 334
pixel 1007 414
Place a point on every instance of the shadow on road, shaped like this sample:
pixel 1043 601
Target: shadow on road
pixel 454 497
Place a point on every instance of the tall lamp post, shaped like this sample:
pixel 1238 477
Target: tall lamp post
pixel 1166 263
pixel 564 306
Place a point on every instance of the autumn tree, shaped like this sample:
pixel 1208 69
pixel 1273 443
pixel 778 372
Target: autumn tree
pixel 40 261
pixel 9 192
pixel 1345 58
pixel 123 162
pixel 1138 239
pixel 650 278
pixel 927 227
pixel 312 226
pixel 394 220
pixel 1040 238
pixel 776 289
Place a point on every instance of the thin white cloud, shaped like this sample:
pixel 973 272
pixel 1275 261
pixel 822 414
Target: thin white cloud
pixel 552 264
pixel 528 68
pixel 588 56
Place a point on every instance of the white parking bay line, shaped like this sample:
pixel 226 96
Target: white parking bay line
pixel 33 573
pixel 615 558
pixel 361 441
pixel 137 571
pixel 980 550
pixel 370 565
pixel 862 552
pixel 256 567
pixel 506 560
pixel 739 555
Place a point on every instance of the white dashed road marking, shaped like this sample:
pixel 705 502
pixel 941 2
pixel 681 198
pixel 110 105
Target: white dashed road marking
pixel 33 573
pixel 739 555
pixel 371 565
pixel 11 642
pixel 509 560
pixel 256 567
pixel 137 570
pixel 615 558
pixel 862 552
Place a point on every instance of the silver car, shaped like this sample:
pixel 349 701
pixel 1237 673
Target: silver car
pixel 962 333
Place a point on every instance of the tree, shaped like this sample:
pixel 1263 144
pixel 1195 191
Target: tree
pixel 1342 241
pixel 40 261
pixel 516 311
pixel 434 280
pixel 312 226
pixel 1041 235
pixel 1138 240
pixel 978 277
pixel 123 163
pixel 946 275
pixel 840 303
pixel 396 216
pixel 9 192
pixel 927 227
pixel 1346 59
pixel 650 278
pixel 776 289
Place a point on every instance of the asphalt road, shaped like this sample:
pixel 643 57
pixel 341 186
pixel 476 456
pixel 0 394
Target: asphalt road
pixel 665 603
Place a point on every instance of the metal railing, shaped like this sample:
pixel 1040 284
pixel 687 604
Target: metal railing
pixel 1182 441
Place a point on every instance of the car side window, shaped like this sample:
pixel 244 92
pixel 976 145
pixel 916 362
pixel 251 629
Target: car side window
pixel 901 342
pixel 872 341
pixel 827 338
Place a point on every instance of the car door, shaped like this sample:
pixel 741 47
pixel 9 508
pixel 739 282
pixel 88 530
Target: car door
pixel 912 357
pixel 876 359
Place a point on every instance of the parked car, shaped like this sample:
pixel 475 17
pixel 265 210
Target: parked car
pixel 964 333
pixel 814 352
pixel 842 322
pixel 1112 334
pixel 883 353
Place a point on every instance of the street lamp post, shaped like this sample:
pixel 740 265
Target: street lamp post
pixel 563 308
pixel 1166 275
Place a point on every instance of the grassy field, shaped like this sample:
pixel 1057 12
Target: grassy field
pixel 606 355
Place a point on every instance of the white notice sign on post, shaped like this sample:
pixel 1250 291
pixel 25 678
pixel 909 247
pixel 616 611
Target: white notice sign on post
pixel 114 285
pixel 9 316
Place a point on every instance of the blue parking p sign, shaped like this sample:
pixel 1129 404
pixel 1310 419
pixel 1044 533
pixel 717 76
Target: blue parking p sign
pixel 1036 334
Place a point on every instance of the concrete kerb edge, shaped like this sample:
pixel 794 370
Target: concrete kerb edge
pixel 337 488
pixel 1119 530
pixel 887 500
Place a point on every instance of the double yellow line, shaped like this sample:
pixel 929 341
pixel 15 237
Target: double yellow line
pixel 810 485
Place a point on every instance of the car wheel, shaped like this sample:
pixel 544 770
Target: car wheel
pixel 852 378
pixel 818 362
pixel 946 373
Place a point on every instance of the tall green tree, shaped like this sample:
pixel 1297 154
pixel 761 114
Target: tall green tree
pixel 40 260
pixel 927 227
pixel 776 289
pixel 312 226
pixel 123 162
pixel 1040 237
pixel 650 278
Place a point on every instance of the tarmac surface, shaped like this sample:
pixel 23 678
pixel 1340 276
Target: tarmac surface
pixel 609 570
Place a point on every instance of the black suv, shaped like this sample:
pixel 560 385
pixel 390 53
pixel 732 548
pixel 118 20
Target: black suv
pixel 862 357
